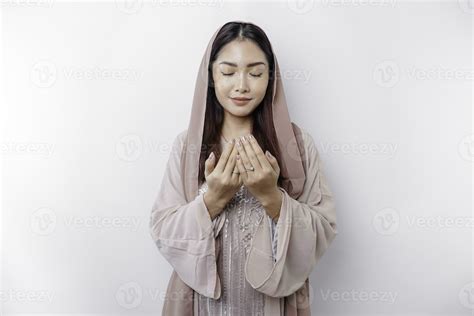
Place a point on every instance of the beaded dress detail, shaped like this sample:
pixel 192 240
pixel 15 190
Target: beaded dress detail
pixel 243 214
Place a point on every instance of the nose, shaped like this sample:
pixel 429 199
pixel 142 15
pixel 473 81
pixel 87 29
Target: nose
pixel 242 85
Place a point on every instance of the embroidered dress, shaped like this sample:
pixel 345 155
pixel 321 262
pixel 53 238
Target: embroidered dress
pixel 243 214
pixel 207 255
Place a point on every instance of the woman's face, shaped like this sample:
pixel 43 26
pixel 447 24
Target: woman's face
pixel 240 71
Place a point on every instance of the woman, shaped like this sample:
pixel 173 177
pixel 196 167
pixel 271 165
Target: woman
pixel 242 223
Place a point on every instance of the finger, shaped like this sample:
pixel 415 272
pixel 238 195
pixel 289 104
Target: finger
pixel 251 154
pixel 243 157
pixel 229 167
pixel 240 166
pixel 262 159
pixel 225 156
pixel 273 161
pixel 235 173
pixel 209 164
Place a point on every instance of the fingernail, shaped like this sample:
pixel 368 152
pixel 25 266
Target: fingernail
pixel 211 156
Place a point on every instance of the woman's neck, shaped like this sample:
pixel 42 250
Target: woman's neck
pixel 236 127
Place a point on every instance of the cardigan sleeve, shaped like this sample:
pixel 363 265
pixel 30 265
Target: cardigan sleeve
pixel 306 227
pixel 184 232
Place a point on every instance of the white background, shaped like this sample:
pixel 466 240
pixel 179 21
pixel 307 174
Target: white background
pixel 384 88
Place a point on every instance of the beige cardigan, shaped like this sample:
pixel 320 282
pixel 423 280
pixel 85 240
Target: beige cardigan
pixel 184 235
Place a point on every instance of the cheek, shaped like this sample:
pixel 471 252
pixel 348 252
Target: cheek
pixel 260 88
pixel 221 87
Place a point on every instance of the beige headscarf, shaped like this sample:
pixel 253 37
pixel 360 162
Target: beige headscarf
pixel 291 167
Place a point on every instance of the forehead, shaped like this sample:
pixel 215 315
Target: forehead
pixel 241 53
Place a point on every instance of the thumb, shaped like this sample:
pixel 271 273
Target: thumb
pixel 209 164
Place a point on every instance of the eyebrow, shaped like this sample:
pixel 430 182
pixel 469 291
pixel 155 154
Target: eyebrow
pixel 235 65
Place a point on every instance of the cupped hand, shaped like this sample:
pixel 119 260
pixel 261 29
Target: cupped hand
pixel 262 182
pixel 221 179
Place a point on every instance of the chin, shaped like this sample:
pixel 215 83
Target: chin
pixel 240 110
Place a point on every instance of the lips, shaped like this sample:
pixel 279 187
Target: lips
pixel 240 100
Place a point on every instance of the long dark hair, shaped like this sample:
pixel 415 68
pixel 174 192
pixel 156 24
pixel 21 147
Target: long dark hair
pixel 263 128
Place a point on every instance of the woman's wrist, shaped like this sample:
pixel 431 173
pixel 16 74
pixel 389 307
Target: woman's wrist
pixel 214 205
pixel 272 204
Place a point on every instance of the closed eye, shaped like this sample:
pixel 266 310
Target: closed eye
pixel 259 75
